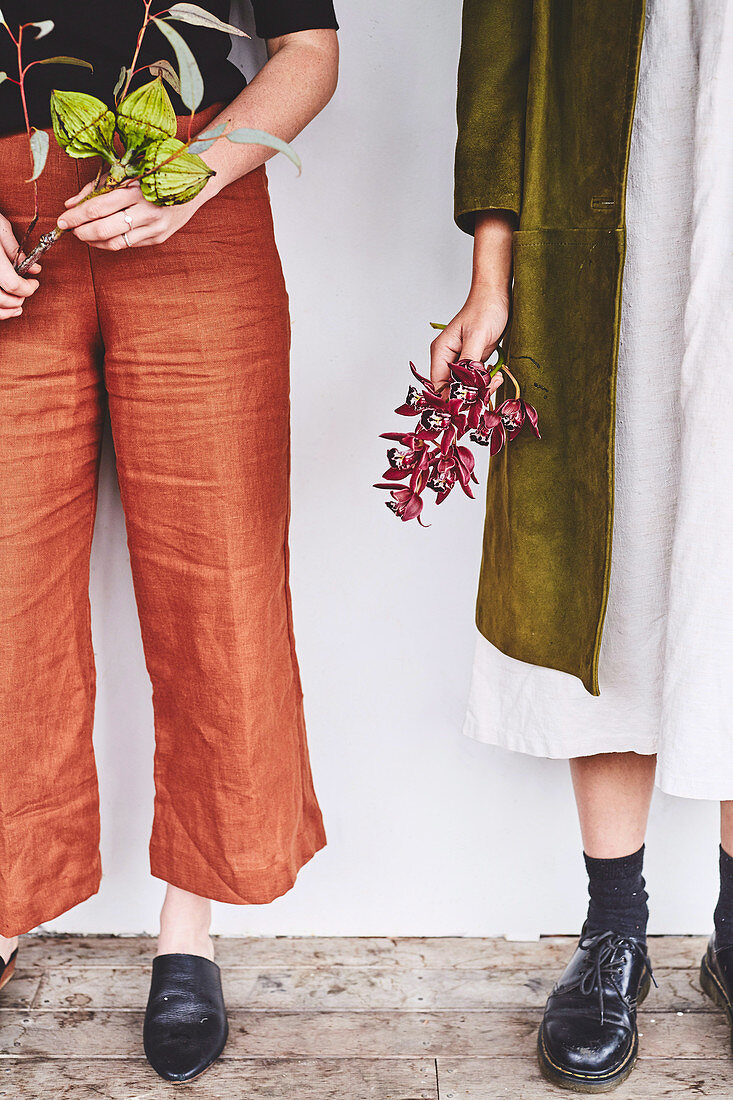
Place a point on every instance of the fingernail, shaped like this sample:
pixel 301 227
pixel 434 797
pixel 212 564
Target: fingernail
pixel 62 223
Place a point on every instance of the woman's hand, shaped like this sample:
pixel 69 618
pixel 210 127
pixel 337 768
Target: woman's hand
pixel 123 218
pixel 477 328
pixel 14 288
pixel 473 333
pixel 289 91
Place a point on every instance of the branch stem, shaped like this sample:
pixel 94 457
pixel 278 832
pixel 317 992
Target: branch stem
pixel 49 239
pixel 141 34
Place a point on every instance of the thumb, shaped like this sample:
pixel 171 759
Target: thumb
pixel 8 241
pixel 444 350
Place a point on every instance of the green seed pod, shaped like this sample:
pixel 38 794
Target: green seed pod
pixel 172 181
pixel 83 125
pixel 146 115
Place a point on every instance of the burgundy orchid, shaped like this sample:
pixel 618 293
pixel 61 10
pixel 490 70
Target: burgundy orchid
pixel 430 456
pixel 514 413
pixel 405 502
pixel 413 403
pixel 490 432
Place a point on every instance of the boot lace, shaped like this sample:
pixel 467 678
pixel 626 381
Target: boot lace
pixel 603 949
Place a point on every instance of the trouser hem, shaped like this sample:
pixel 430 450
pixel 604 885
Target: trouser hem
pixel 251 887
pixel 42 911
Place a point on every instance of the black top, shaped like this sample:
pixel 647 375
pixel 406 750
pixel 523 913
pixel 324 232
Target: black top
pixel 104 33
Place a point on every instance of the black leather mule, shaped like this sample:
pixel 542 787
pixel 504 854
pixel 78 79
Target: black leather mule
pixel 185 1027
pixel 588 1040
pixel 8 969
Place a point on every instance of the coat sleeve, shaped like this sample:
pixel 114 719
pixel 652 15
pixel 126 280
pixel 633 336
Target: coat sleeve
pixel 493 78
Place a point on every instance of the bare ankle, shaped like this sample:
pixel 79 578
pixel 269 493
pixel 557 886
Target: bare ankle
pixel 185 921
pixel 7 947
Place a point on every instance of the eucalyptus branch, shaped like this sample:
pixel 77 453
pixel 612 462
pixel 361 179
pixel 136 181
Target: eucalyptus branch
pixel 48 239
pixel 131 68
pixel 137 138
pixel 20 82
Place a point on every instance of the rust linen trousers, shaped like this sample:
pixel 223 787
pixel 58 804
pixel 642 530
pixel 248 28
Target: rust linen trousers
pixel 187 343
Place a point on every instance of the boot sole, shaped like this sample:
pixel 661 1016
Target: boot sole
pixel 589 1083
pixel 713 988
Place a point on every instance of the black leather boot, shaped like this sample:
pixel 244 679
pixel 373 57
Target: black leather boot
pixel 185 1027
pixel 588 1040
pixel 716 977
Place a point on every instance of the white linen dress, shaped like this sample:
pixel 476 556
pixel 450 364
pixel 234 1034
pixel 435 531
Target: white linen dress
pixel 666 661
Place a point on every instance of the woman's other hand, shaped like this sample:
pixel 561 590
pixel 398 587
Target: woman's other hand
pixel 14 288
pixel 478 326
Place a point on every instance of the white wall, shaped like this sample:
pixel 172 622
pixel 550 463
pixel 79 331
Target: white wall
pixel 429 833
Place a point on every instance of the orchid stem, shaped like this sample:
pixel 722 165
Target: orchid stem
pixel 505 370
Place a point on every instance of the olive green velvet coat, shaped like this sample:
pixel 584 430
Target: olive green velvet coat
pixel 546 95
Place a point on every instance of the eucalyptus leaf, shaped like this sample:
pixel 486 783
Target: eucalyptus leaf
pixel 192 83
pixel 65 61
pixel 165 69
pixel 39 151
pixel 204 141
pixel 120 81
pixel 246 136
pixel 45 26
pixel 192 13
pixel 200 145
pixel 215 132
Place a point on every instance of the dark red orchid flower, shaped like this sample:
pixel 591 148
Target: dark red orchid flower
pixel 405 502
pixel 514 413
pixel 454 466
pixel 490 432
pixel 430 456
pixel 414 403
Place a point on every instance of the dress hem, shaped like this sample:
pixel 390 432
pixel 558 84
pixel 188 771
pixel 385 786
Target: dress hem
pixel 668 782
pixel 473 729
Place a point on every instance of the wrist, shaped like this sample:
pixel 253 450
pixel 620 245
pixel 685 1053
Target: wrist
pixel 490 287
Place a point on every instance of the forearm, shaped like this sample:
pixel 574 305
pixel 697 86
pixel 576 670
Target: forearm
pixel 492 252
pixel 290 90
pixel 477 328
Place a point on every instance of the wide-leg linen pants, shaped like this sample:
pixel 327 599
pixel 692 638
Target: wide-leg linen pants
pixel 187 343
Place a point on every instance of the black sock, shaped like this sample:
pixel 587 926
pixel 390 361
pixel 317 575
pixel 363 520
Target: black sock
pixel 617 895
pixel 723 915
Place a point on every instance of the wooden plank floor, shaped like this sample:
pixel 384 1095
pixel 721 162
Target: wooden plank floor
pixel 342 1019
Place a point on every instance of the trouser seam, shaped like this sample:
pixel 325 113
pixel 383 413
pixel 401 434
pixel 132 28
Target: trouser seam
pixel 91 273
